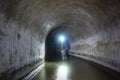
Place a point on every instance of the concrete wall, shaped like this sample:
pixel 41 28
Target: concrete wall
pixel 93 26
pixel 18 46
pixel 101 50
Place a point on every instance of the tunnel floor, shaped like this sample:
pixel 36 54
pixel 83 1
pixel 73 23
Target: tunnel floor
pixel 74 69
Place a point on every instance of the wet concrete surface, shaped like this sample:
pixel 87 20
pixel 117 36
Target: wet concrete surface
pixel 73 69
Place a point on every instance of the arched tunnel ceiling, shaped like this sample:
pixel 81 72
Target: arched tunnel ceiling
pixel 88 21
pixel 92 24
pixel 83 17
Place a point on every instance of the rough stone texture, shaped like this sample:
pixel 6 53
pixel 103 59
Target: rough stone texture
pixel 18 46
pixel 93 25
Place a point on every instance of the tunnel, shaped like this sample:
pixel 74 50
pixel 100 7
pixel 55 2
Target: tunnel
pixel 53 44
pixel 29 46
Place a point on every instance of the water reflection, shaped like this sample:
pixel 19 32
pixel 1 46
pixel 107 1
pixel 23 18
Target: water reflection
pixel 75 69
pixel 62 72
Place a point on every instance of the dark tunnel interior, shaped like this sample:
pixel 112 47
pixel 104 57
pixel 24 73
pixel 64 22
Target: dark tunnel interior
pixel 30 30
pixel 53 45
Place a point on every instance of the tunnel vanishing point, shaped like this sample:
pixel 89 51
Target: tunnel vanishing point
pixel 93 27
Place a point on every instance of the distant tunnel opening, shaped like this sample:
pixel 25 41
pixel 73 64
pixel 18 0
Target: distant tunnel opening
pixel 53 46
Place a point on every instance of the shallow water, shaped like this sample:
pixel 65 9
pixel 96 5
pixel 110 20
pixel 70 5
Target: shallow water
pixel 74 69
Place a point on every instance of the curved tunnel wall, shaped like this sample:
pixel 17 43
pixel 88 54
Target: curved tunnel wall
pixel 93 25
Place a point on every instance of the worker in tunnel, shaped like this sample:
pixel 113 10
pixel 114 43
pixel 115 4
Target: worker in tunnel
pixel 67 49
pixel 64 47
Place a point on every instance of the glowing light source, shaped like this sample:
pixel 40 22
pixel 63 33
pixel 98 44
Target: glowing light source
pixel 61 38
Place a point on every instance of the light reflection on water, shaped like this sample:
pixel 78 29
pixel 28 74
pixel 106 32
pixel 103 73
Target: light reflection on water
pixel 74 69
pixel 62 72
pixel 55 71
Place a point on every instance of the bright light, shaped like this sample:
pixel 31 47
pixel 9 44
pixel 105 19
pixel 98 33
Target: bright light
pixel 61 38
pixel 63 69
pixel 62 72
